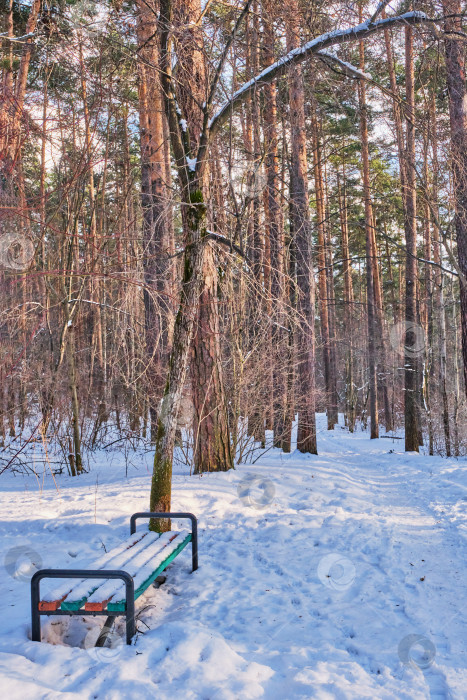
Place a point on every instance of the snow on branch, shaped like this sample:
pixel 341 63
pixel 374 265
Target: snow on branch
pixel 339 36
pixel 227 243
pixel 351 71
pixel 26 37
pixel 347 68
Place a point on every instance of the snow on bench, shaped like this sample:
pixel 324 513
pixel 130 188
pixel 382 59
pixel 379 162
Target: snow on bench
pixel 144 568
pixel 148 551
pixel 51 600
pixel 98 590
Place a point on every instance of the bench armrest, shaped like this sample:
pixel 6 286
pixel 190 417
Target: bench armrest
pixel 83 573
pixel 165 516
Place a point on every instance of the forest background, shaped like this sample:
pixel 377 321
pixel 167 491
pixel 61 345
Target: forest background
pixel 217 217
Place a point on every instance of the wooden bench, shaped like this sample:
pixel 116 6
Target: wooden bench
pixel 119 576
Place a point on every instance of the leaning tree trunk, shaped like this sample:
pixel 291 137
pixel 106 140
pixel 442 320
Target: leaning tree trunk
pixel 192 284
pixel 194 229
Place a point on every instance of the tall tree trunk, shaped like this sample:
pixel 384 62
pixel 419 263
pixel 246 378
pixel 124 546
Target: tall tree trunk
pixel 456 353
pixel 410 361
pixel 407 181
pixel 334 403
pixel 256 422
pixel 350 393
pixel 154 194
pixel 370 223
pixel 211 431
pixel 301 227
pixel 292 299
pixel 371 262
pixel 13 144
pixel 428 305
pixel 454 48
pixel 211 438
pixel 439 285
pixel 275 235
pixel 329 379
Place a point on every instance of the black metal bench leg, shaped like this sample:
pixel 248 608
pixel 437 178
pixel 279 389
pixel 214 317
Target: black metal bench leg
pixel 130 611
pixel 105 631
pixel 35 616
pixel 194 544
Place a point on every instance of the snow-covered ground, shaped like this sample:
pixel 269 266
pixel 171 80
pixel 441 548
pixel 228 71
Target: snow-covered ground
pixel 337 576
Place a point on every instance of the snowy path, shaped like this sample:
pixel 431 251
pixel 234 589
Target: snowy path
pixel 310 581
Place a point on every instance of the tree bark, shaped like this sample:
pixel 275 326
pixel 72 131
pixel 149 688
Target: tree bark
pixel 302 252
pixel 184 329
pixel 211 430
pixel 410 362
pixel 275 233
pixel 211 440
pixel 154 196
pixel 439 285
pixel 454 49
pixel 371 263
pixel 329 378
pixel 350 393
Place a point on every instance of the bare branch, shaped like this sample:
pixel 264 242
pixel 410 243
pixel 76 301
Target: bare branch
pixel 223 58
pixel 177 133
pixel 381 7
pixel 204 139
pixel 339 36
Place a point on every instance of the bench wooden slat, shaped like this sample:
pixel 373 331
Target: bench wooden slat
pixel 148 558
pixel 50 605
